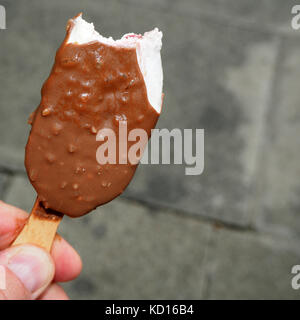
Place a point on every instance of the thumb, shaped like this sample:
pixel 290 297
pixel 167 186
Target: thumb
pixel 28 271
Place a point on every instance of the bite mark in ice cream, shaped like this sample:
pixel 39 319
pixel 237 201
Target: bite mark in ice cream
pixel 95 82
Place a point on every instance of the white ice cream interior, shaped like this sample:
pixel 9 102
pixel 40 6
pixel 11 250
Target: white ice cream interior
pixel 147 48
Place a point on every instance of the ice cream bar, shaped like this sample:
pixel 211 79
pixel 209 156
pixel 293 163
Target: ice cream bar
pixel 95 83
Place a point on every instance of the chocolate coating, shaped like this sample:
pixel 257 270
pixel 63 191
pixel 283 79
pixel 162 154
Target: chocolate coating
pixel 90 87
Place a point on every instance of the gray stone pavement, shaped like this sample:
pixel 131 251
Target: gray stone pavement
pixel 230 67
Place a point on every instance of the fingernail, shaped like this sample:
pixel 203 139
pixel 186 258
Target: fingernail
pixel 31 264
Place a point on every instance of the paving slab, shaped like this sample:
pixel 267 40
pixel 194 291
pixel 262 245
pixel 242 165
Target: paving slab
pixel 224 96
pixel 277 184
pixel 245 265
pixel 4 178
pixel 210 82
pixel 271 15
pixel 20 193
pixel 130 251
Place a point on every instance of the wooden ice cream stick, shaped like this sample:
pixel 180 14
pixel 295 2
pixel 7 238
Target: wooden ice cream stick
pixel 40 228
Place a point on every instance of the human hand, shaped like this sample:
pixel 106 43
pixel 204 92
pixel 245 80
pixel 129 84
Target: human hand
pixel 31 272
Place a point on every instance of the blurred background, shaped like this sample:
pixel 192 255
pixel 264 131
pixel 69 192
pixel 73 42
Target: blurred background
pixel 231 68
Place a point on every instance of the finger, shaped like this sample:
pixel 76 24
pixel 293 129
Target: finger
pixel 30 265
pixel 67 261
pixel 12 221
pixel 54 292
pixel 13 287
